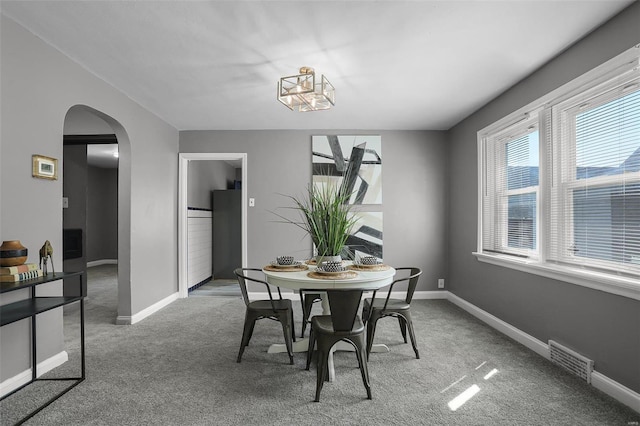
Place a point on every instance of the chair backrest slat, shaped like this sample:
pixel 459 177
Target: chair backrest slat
pixel 413 283
pixel 344 308
pixel 243 285
pixel 412 278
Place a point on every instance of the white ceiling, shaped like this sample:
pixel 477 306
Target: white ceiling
pixel 395 64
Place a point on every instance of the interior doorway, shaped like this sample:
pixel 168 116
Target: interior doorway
pixel 185 160
pixel 102 181
pixel 90 208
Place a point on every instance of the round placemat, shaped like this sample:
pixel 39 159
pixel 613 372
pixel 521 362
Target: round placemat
pixel 341 276
pixel 369 267
pixel 295 268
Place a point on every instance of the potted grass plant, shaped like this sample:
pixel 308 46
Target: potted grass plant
pixel 325 216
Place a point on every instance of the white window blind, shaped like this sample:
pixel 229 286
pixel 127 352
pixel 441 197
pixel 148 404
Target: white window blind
pixel 510 196
pixel 595 195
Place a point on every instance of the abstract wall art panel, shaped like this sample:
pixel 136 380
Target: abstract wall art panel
pixel 366 235
pixel 358 159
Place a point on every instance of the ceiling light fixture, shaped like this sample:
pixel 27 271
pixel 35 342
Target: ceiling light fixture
pixel 301 93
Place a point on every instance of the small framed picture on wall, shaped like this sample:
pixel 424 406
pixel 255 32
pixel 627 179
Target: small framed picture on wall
pixel 45 167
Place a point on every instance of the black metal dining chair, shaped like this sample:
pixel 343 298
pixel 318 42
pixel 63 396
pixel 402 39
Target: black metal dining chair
pixel 274 309
pixel 377 308
pixel 343 324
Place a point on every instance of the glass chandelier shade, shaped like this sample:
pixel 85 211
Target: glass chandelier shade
pixel 302 93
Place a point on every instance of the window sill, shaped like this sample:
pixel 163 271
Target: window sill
pixel 619 285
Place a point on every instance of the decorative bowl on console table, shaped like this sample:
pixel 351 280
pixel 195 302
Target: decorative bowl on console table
pixel 13 253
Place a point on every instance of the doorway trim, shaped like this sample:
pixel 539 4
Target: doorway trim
pixel 183 168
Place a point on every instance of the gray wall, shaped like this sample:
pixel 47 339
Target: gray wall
pixel 78 121
pixel 205 176
pixel 279 162
pixel 601 326
pixel 102 214
pixel 39 85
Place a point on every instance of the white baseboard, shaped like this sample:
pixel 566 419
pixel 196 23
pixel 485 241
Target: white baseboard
pixel 129 320
pixel 102 262
pixel 437 294
pixel 598 380
pixel 12 383
pixel 616 390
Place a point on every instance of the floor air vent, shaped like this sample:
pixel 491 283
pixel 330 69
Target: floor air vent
pixel 571 361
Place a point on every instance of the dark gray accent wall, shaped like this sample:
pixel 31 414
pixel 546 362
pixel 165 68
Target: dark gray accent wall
pixel 227 233
pixel 102 214
pixel 74 186
pixel 205 176
pixel 600 325
pixel 279 162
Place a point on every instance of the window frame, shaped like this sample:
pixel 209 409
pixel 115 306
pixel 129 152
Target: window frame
pixel 565 115
pixel 500 212
pixel 543 263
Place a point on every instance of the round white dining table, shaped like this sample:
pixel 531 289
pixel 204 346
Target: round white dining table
pixel 296 280
pixel 300 280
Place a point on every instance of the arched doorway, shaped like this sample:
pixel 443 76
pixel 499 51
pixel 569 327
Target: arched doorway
pixel 82 120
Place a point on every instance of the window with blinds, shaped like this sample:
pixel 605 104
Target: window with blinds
pixel 560 182
pixel 511 192
pixel 596 198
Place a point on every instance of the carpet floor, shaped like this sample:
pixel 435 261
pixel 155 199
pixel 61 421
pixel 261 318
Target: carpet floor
pixel 178 367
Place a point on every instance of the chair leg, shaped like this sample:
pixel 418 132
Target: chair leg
pixel 246 335
pixel 305 313
pixel 412 334
pixel 371 331
pixel 304 316
pixel 251 327
pixel 365 313
pixel 240 352
pixel 403 327
pixel 312 343
pixel 321 373
pixel 287 330
pixel 293 331
pixel 362 363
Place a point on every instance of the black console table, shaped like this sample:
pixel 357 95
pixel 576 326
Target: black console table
pixel 30 308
